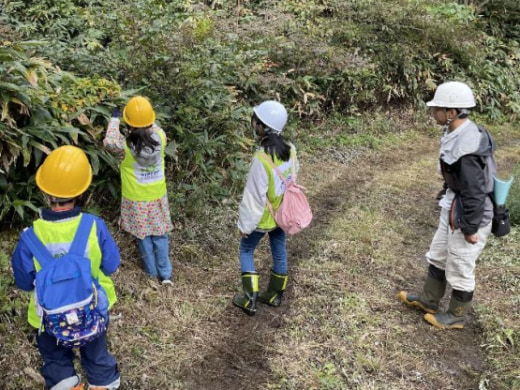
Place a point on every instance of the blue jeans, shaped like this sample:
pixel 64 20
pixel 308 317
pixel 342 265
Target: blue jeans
pixel 156 256
pixel 58 362
pixel 278 251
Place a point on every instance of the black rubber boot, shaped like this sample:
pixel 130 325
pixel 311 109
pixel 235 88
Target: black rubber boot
pixel 454 318
pixel 277 285
pixel 433 290
pixel 247 301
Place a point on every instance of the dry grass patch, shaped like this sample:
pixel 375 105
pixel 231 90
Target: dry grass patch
pixel 341 325
pixel 498 299
pixel 345 323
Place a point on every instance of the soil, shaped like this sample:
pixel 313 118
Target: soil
pixel 241 359
pixel 190 336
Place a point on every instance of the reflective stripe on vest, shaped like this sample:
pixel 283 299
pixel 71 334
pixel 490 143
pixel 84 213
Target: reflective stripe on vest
pixel 57 238
pixel 141 183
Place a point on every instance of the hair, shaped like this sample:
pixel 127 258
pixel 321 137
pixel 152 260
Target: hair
pixel 275 144
pixel 140 138
pixel 463 113
pixel 55 201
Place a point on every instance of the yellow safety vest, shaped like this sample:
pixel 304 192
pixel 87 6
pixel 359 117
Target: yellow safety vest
pixel 60 235
pixel 141 183
pixel 267 221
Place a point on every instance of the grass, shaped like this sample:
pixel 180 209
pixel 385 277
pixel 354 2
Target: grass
pixel 341 325
pixel 497 312
pixel 358 132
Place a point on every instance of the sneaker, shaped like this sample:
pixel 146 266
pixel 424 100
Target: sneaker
pixel 167 282
pixel 114 385
pixel 72 382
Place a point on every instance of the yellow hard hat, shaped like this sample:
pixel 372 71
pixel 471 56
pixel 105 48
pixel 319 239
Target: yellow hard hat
pixel 139 112
pixel 65 173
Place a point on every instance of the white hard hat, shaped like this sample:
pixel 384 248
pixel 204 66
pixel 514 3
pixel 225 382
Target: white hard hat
pixel 273 114
pixel 453 94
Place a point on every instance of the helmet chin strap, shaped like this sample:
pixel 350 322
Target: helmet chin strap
pixel 448 120
pixel 462 111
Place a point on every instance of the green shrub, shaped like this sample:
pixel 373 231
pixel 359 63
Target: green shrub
pixel 203 65
pixel 369 54
pixel 502 16
pixel 513 199
pixel 74 30
pixel 42 108
pixel 13 303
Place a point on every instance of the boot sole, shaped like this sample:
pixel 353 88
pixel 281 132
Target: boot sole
pixel 414 304
pixel 266 302
pixel 245 310
pixel 433 321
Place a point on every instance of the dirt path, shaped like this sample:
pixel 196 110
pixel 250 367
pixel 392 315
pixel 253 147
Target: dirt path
pixel 407 352
pixel 341 325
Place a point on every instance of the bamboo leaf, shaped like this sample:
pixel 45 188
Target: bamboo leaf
pixel 5 114
pixel 18 208
pixel 94 161
pixel 32 77
pixel 40 146
pixel 26 153
pixel 83 119
pixel 11 87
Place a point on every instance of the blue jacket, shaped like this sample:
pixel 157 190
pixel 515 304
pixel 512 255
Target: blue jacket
pixel 108 258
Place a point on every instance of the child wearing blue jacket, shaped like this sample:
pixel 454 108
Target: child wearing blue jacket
pixel 65 174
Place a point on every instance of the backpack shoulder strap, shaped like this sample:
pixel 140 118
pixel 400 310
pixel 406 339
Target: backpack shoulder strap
pixel 36 247
pixel 293 156
pixel 270 161
pixel 490 137
pixel 80 239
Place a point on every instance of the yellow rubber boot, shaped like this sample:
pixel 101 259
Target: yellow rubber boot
pixel 433 290
pixel 277 285
pixel 247 300
pixel 454 318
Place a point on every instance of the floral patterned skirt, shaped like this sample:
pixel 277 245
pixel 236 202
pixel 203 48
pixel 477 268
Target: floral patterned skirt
pixel 150 218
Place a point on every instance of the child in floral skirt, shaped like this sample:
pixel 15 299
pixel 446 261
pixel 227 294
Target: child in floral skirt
pixel 145 212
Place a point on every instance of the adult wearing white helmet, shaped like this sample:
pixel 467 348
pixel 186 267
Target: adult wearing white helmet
pixel 255 219
pixel 452 100
pixel 453 94
pixel 467 165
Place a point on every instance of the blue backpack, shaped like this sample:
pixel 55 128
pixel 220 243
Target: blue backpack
pixel 70 299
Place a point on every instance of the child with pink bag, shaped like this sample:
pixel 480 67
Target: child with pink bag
pixel 274 164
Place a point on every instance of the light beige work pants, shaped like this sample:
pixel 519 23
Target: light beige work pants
pixel 449 251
